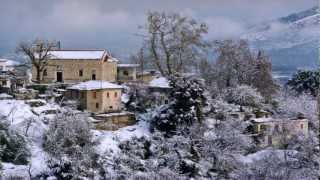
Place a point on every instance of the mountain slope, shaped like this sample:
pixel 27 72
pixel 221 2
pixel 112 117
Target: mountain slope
pixel 290 41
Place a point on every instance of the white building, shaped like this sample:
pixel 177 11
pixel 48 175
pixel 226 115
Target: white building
pixel 7 72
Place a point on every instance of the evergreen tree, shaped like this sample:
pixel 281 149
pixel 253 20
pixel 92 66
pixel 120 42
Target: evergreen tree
pixel 305 81
pixel 187 100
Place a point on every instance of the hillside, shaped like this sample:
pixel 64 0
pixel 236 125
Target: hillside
pixel 291 41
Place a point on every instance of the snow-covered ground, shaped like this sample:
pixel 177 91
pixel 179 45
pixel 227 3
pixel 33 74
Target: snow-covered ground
pixel 20 114
pixel 109 140
pixel 251 158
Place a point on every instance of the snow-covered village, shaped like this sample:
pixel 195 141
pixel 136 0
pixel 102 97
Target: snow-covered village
pixel 94 90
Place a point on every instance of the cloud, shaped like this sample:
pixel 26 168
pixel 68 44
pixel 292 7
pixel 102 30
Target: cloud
pixel 87 16
pixel 221 28
pixel 111 24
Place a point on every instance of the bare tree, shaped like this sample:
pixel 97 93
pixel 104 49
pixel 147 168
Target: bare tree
pixel 174 42
pixel 140 59
pixel 37 53
pixel 237 65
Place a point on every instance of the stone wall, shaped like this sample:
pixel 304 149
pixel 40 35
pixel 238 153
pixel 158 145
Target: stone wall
pixel 104 70
pixel 115 121
pixel 126 74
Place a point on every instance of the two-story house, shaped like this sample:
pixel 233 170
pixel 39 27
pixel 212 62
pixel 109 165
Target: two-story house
pixel 72 66
pixel 97 96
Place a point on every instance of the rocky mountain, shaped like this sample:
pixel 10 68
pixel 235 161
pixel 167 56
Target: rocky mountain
pixel 292 42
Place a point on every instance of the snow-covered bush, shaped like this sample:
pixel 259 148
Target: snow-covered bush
pixel 13 146
pixel 244 95
pixel 194 152
pixel 291 105
pixel 279 164
pixel 69 142
pixel 187 101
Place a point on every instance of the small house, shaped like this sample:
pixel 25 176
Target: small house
pixel 9 77
pixel 147 76
pixel 160 88
pixel 272 131
pixel 97 96
pixel 127 72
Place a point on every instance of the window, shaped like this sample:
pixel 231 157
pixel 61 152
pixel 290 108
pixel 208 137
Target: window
pixel 301 126
pixel 269 140
pixel 93 75
pixel 115 94
pixel 94 95
pixel 59 68
pixel 126 73
pixel 4 83
pixel 81 72
pixel 97 105
pixel 82 95
pixel 45 73
pixel 263 127
pixel 110 107
pixel 108 94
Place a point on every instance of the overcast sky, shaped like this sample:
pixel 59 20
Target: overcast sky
pixel 112 24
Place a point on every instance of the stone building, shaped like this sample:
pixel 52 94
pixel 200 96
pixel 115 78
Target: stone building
pixel 71 66
pixel 11 75
pixel 271 131
pixel 127 72
pixel 97 96
pixel 160 88
pixel 147 76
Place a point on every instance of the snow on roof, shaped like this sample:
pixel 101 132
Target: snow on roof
pixel 251 158
pixel 123 113
pixel 93 85
pixel 112 59
pixel 5 95
pixel 128 65
pixel 160 82
pixel 266 120
pixel 9 62
pixel 77 54
pixel 48 107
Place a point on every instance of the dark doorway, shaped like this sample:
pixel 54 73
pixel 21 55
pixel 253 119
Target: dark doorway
pixel 59 77
pixel 93 74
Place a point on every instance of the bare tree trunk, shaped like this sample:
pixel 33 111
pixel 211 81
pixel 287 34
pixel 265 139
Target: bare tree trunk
pixel 155 55
pixel 38 75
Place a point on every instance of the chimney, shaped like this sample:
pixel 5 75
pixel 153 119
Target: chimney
pixel 58 45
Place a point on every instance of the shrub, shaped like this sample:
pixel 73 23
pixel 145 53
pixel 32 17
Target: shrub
pixel 244 96
pixel 13 147
pixel 69 141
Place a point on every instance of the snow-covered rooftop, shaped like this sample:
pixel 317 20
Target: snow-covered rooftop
pixel 93 85
pixel 160 82
pixel 269 119
pixel 8 62
pixel 128 65
pixel 77 54
pixel 5 96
